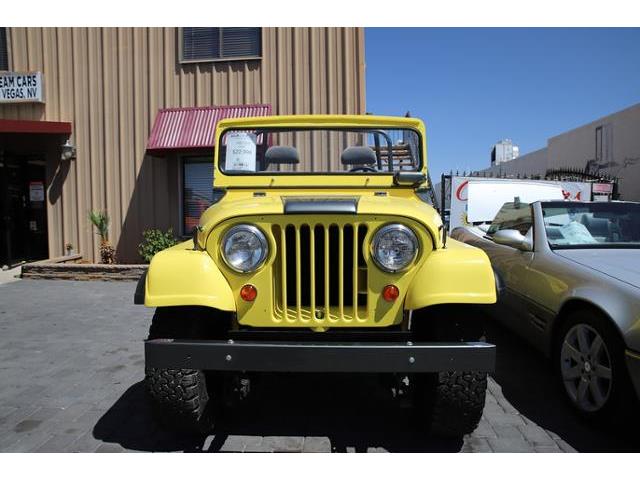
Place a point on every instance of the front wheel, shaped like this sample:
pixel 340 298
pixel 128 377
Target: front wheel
pixel 589 361
pixel 454 402
pixel 180 397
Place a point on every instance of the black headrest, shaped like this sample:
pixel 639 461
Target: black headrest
pixel 282 155
pixel 358 156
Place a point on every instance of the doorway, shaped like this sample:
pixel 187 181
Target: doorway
pixel 23 212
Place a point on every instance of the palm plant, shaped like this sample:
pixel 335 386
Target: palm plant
pixel 100 220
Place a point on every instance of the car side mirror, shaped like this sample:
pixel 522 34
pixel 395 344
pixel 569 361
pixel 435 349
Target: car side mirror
pixel 512 238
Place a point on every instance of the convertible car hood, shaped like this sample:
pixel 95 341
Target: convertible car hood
pixel 622 264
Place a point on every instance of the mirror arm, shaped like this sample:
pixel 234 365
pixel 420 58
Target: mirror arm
pixel 444 235
pixel 194 236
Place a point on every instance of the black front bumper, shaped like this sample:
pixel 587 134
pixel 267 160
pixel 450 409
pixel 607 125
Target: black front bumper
pixel 305 356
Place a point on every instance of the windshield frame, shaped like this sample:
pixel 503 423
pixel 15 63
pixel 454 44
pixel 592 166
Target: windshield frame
pixel 584 246
pixel 420 167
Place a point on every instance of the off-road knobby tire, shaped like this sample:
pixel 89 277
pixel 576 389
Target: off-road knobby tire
pixel 455 402
pixel 179 397
pixel 452 401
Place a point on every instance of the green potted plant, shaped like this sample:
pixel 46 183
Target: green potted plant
pixel 154 241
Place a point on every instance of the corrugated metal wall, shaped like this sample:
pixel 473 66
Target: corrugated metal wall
pixel 110 82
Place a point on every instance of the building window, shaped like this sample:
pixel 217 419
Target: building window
pixel 4 55
pixel 205 44
pixel 197 190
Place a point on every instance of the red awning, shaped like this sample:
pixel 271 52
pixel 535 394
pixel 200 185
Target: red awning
pixel 194 127
pixel 34 126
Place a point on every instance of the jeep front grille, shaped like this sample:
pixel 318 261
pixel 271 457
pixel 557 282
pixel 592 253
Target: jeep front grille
pixel 320 273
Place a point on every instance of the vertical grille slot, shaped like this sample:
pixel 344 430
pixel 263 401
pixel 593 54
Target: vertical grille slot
pixel 334 265
pixel 318 233
pixel 289 259
pixel 361 287
pixel 320 273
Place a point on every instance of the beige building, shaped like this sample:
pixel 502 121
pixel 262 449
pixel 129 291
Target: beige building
pixel 104 119
pixel 608 146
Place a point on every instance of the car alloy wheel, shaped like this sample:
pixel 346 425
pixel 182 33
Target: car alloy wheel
pixel 585 366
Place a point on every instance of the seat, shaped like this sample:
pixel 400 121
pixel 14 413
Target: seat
pixel 358 156
pixel 598 227
pixel 554 233
pixel 282 155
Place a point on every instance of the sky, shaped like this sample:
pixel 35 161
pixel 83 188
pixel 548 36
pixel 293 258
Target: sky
pixel 476 86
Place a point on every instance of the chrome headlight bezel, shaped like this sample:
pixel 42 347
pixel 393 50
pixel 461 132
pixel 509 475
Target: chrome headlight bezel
pixel 399 228
pixel 262 239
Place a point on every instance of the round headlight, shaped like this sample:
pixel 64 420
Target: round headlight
pixel 394 247
pixel 244 248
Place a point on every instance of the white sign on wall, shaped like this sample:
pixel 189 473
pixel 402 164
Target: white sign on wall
pixel 36 192
pixel 18 87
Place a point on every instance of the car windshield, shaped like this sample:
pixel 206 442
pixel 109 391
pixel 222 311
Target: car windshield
pixel 319 150
pixel 592 225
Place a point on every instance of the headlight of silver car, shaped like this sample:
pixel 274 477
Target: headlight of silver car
pixel 244 248
pixel 394 247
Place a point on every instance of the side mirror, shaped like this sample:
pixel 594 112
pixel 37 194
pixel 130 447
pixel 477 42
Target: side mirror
pixel 409 178
pixel 512 238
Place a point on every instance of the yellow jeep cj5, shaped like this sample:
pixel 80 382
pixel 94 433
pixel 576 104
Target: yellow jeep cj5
pixel 321 253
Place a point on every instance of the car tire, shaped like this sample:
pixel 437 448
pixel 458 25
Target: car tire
pixel 454 401
pixel 451 401
pixel 592 375
pixel 179 397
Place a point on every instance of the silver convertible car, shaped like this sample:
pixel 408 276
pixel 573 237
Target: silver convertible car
pixel 568 274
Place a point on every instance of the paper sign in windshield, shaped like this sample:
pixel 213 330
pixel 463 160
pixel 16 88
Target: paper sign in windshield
pixel 241 151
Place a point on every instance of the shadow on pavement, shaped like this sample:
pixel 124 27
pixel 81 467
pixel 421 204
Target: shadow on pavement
pixel 528 383
pixel 129 422
pixel 354 412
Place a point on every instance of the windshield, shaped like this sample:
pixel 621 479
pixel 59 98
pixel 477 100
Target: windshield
pixel 319 151
pixel 592 225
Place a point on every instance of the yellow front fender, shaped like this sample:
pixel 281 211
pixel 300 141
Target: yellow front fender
pixel 459 273
pixel 182 276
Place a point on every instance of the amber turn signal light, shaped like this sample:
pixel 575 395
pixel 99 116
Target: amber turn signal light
pixel 390 293
pixel 248 293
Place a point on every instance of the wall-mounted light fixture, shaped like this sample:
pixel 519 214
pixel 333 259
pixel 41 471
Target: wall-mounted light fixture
pixel 68 151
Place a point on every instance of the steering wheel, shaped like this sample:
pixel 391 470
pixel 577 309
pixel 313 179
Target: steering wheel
pixel 363 169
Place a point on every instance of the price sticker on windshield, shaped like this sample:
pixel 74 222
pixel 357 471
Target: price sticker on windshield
pixel 241 151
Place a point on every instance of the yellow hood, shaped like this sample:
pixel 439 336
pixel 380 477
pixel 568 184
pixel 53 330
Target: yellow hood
pixel 238 203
